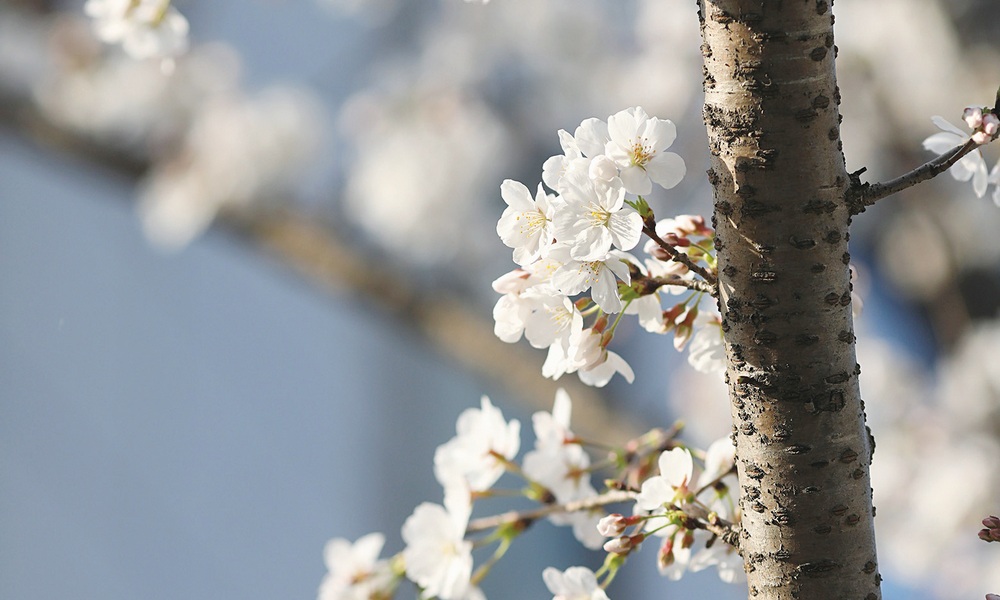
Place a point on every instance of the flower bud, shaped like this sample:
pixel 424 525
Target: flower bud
pixel 618 545
pixel 688 540
pixel 973 116
pixel 653 249
pixel 991 522
pixel 991 123
pixel 623 544
pixel 685 329
pixel 612 525
pixel 691 224
pixel 665 557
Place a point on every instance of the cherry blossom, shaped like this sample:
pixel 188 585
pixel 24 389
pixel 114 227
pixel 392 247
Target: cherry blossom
pixel 593 217
pixel 562 466
pixel 575 583
pixel 474 457
pixel 670 487
pixel 637 144
pixel 526 223
pixel 437 556
pixel 555 167
pixel 145 28
pixel 598 275
pixel 355 572
pixel 707 352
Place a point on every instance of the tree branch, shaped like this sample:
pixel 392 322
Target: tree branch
pixel 862 195
pixel 684 259
pixel 612 497
pixel 697 285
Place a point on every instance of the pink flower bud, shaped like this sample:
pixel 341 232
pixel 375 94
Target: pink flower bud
pixel 688 540
pixel 665 557
pixel 691 224
pixel 992 597
pixel 973 116
pixel 991 123
pixel 673 239
pixel 612 525
pixel 685 329
pixel 991 522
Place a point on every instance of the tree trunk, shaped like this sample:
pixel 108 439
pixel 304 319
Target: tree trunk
pixel 771 109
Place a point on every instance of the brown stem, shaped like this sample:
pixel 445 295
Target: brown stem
pixel 513 516
pixel 863 195
pixel 692 284
pixel 682 258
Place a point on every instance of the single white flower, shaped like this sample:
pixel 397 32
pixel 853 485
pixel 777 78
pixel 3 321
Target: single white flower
pixel 719 460
pixel 553 316
pixel 971 166
pixel 509 315
pixel 355 571
pixel 526 223
pixel 556 166
pixel 595 363
pixel 637 145
pixel 552 428
pixel 591 217
pixel 671 486
pixel 707 352
pixel 471 457
pixel 437 556
pixel 598 276
pixel 575 583
pixel 591 137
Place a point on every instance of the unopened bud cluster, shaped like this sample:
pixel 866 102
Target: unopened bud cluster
pixel 984 123
pixel 991 533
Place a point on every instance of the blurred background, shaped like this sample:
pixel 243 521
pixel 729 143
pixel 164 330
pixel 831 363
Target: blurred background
pixel 240 305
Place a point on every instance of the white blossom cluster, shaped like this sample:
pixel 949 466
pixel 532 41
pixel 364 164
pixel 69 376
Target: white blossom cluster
pixel 211 146
pixel 675 505
pixel 144 28
pixel 577 240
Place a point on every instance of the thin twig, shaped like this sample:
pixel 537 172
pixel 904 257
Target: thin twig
pixel 697 285
pixel 728 532
pixel 682 258
pixel 863 195
pixel 513 516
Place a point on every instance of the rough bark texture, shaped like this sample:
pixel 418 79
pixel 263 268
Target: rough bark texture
pixel 771 108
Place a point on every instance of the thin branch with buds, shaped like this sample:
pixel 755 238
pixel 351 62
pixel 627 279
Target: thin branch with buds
pixel 682 258
pixel 727 531
pixel 862 195
pixel 513 516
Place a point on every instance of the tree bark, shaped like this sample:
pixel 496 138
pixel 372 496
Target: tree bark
pixel 781 217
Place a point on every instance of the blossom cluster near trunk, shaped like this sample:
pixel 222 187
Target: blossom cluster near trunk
pixel 689 504
pixel 572 250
